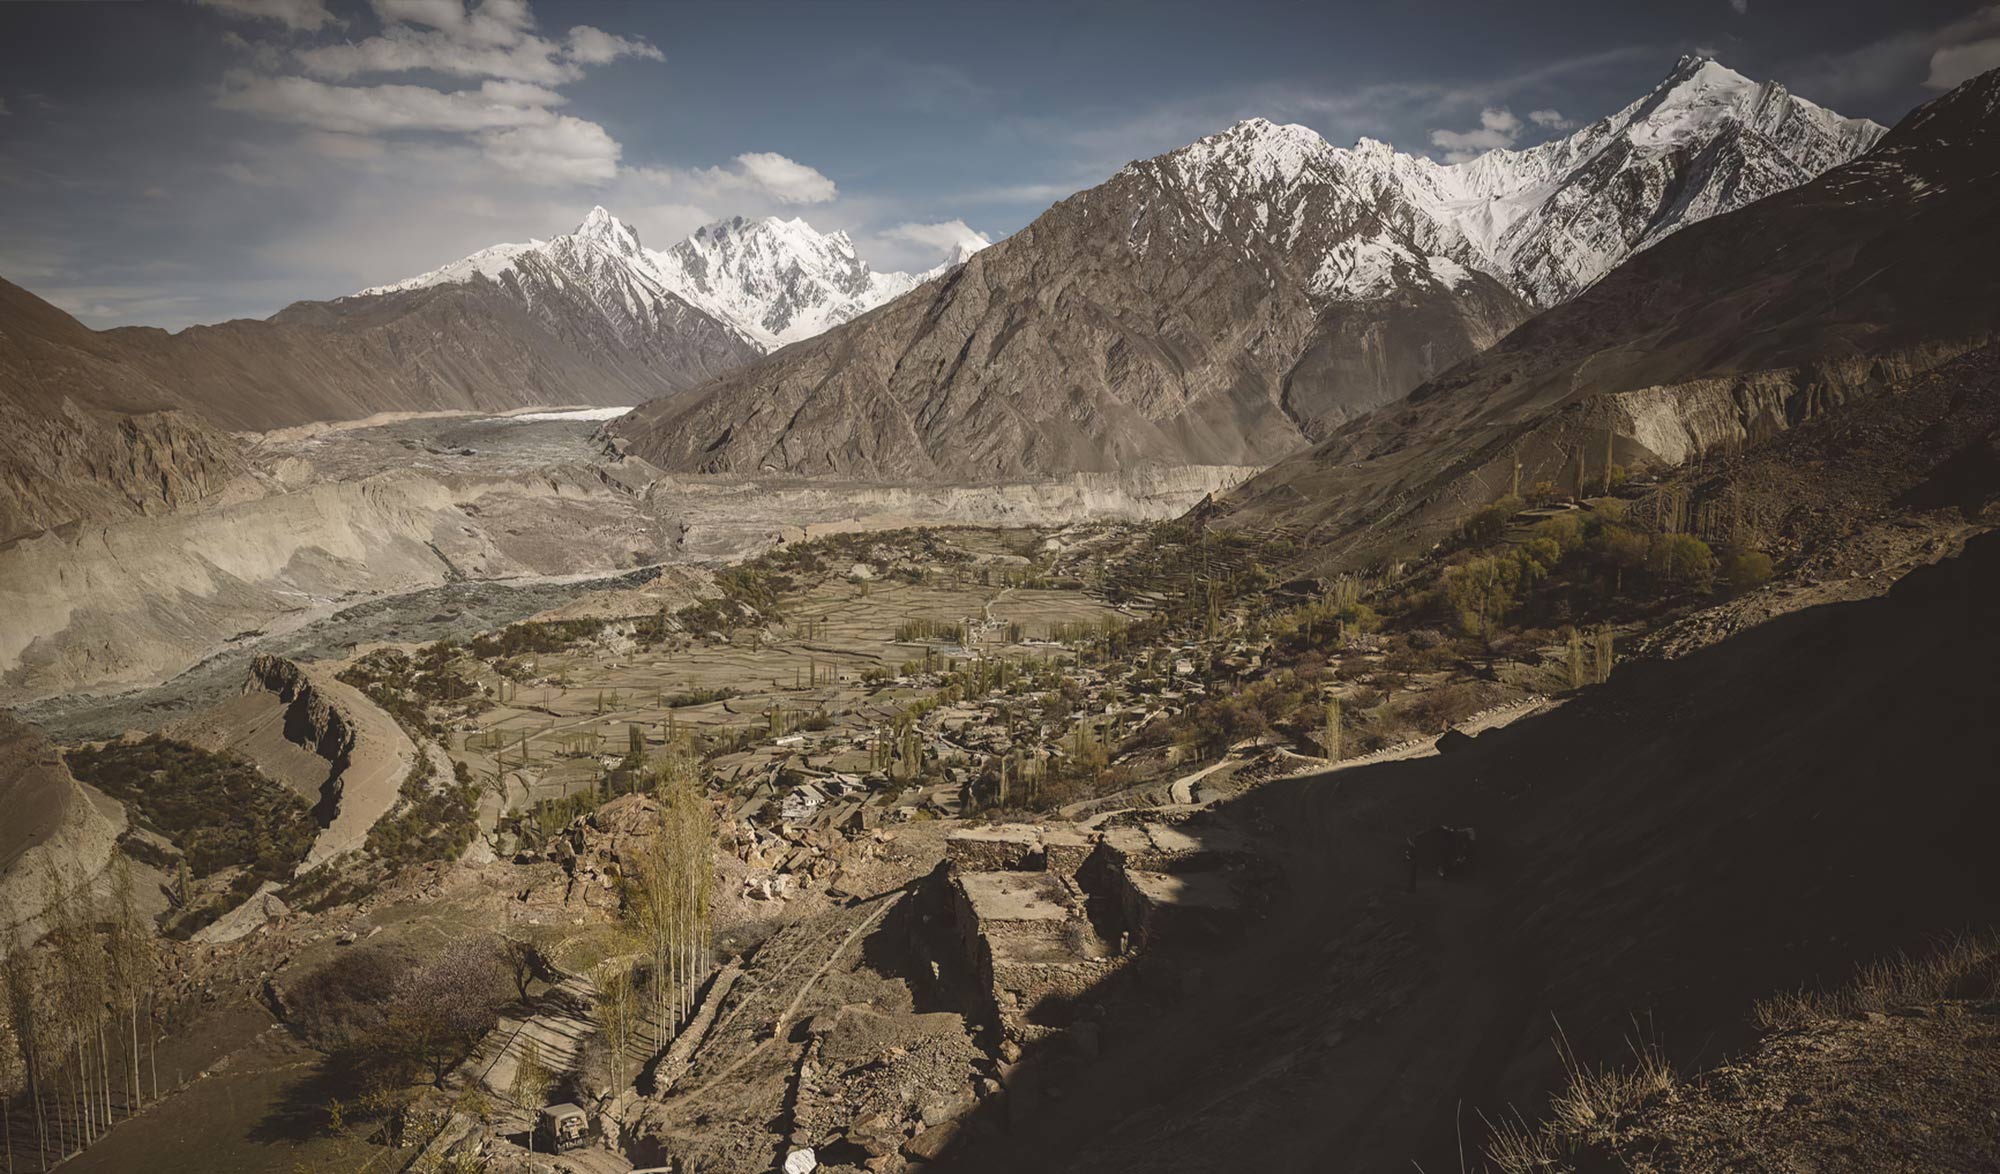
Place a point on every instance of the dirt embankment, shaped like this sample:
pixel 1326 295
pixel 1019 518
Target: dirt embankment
pixel 367 753
pixel 49 825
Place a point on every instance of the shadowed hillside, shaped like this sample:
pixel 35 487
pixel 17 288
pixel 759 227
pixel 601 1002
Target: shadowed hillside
pixel 1691 837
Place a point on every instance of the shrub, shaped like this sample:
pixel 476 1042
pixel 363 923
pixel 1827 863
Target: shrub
pixel 345 1002
pixel 1489 524
pixel 1744 569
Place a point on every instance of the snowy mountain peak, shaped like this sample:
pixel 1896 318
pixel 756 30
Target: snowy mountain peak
pixel 1546 220
pixel 769 281
pixel 606 229
pixel 777 281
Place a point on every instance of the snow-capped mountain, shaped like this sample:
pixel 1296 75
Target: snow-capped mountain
pixel 1231 301
pixel 771 281
pixel 778 281
pixel 1548 220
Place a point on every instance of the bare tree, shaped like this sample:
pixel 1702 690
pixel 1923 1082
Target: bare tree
pixel 442 1009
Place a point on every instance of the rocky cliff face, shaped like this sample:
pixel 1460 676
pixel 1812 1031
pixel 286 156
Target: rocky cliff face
pixel 312 721
pixel 1229 302
pixel 1720 336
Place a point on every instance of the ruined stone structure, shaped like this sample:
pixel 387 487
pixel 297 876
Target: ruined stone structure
pixel 1050 918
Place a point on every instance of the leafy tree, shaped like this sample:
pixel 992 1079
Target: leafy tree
pixel 1681 560
pixel 1489 524
pixel 1617 550
pixel 1482 591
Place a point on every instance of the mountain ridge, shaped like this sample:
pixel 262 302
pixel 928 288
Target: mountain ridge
pixel 1231 301
pixel 771 280
pixel 1720 336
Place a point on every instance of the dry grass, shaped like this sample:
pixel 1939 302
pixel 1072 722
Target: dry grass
pixel 1965 967
pixel 1587 1110
pixel 1585 1115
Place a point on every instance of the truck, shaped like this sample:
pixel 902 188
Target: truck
pixel 562 1127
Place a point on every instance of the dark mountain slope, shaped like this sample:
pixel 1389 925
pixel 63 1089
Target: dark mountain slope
pixel 1690 837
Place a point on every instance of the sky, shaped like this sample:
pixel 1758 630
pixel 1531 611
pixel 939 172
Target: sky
pixel 169 162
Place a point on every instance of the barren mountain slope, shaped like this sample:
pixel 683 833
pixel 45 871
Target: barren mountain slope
pixel 90 436
pixel 1156 319
pixel 51 830
pixel 1726 332
pixel 569 323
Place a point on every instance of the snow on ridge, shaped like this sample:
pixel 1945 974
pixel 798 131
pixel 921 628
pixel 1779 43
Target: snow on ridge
pixel 1547 220
pixel 490 263
pixel 772 281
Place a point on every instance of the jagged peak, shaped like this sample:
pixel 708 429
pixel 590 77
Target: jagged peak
pixel 1703 68
pixel 600 225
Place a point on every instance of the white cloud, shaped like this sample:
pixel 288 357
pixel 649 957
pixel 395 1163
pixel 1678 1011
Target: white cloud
pixel 1936 57
pixel 491 22
pixel 913 246
pixel 756 174
pixel 374 109
pixel 1741 7
pixel 263 55
pixel 520 94
pixel 1550 119
pixel 942 236
pixel 566 150
pixel 789 181
pixel 496 39
pixel 1498 127
pixel 298 15
pixel 589 46
pixel 1953 64
pixel 3 107
pixel 405 49
pixel 509 120
pixel 528 139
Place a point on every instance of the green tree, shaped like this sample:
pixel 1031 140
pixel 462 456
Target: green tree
pixel 1482 591
pixel 1681 560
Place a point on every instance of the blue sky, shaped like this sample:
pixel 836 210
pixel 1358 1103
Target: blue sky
pixel 181 161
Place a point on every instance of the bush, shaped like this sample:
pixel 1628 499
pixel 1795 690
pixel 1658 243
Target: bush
pixel 1744 569
pixel 344 1003
pixel 1489 524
